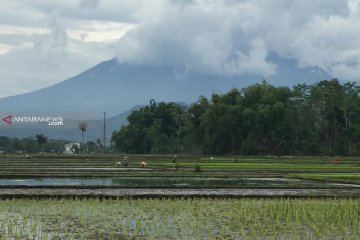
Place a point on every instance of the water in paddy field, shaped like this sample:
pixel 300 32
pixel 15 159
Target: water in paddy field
pixel 138 181
pixel 57 182
pixel 169 182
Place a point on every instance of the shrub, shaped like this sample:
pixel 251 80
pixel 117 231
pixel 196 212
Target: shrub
pixel 197 168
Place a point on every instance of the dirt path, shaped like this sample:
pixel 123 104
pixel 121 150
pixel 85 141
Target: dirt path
pixel 28 192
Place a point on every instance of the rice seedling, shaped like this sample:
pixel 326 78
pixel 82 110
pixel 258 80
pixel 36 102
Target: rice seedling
pixel 184 218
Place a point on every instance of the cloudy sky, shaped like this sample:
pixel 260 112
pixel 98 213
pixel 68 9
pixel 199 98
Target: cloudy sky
pixel 43 42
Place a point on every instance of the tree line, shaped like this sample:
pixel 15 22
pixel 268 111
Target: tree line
pixel 40 143
pixel 318 119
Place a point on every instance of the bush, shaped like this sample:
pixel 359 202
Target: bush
pixel 197 168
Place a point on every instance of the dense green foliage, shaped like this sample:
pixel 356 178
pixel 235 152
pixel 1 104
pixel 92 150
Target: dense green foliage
pixel 319 119
pixel 155 128
pixel 197 218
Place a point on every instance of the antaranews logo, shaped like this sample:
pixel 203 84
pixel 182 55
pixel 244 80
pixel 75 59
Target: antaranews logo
pixel 34 119
pixel 8 119
pixel 51 121
pixel 38 120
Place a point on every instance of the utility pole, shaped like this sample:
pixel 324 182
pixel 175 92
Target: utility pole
pixel 104 133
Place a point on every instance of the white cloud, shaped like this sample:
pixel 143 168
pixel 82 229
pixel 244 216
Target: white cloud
pixel 43 42
pixel 200 36
pixel 99 31
pixel 60 40
pixel 235 37
pixel 331 43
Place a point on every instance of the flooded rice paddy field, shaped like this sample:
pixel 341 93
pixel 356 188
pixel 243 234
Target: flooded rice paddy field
pixel 195 197
pixel 184 172
pixel 175 182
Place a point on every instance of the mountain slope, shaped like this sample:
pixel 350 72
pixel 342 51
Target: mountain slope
pixel 114 88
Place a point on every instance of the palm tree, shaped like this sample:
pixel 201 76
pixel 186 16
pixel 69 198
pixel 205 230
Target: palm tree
pixel 41 139
pixel 83 126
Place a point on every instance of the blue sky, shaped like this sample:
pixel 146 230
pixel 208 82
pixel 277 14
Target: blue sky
pixel 45 42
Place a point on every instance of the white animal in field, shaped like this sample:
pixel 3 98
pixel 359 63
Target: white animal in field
pixel 143 164
pixel 27 156
pixel 212 158
pixel 118 164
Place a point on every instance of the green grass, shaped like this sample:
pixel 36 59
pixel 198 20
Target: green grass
pixel 180 219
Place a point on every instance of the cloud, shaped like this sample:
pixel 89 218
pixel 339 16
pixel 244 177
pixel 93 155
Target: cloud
pixel 109 10
pixel 236 37
pixel 40 40
pixel 331 43
pixel 21 70
pixel 199 36
pixel 44 42
pixel 89 4
pixel 51 47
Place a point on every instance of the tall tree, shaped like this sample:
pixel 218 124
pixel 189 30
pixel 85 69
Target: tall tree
pixel 83 127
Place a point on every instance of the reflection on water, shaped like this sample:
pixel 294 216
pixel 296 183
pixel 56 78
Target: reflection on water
pixel 58 182
pixel 156 182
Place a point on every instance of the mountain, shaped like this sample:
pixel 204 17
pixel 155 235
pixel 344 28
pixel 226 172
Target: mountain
pixel 115 88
